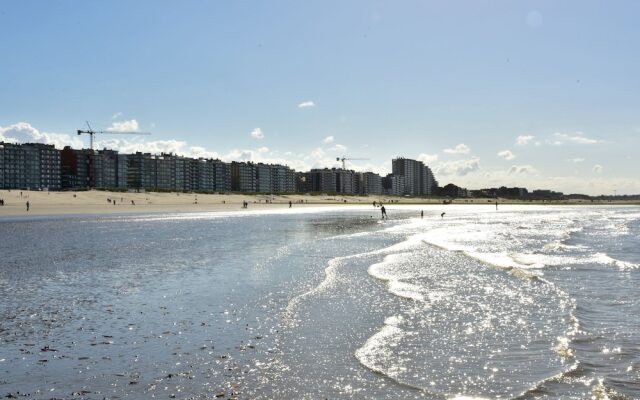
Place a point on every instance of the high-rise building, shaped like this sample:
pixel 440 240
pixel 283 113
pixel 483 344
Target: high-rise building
pixel 222 176
pixel 429 182
pixel 86 168
pixel 345 181
pixel 394 185
pixel 370 183
pixel 243 177
pixel 264 181
pixel 122 170
pixel 303 182
pixel 105 169
pixel 418 178
pixel 30 166
pixel 283 179
pixel 412 171
pixel 206 175
pixel 2 165
pixel 323 180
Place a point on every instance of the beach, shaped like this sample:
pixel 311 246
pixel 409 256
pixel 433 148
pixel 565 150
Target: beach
pixel 98 202
pixel 105 202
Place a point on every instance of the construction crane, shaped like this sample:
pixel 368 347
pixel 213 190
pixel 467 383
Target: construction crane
pixel 343 159
pixel 91 133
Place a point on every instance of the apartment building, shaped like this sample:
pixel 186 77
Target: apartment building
pixel 322 180
pixel 394 185
pixel 1 165
pixel 222 177
pixel 370 183
pixel 264 178
pixel 418 178
pixel 283 179
pixel 243 177
pixel 34 166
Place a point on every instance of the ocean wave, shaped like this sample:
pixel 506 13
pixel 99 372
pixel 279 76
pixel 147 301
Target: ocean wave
pixel 377 352
pixel 603 258
pixel 385 272
pixel 333 264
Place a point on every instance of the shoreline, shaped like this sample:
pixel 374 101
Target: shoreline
pixel 97 202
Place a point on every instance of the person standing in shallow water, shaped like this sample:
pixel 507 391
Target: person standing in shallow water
pixel 384 212
pixel 421 214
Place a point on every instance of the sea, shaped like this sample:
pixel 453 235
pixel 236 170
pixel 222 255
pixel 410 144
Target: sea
pixel 519 302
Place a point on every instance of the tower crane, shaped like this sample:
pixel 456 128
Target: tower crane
pixel 343 159
pixel 90 156
pixel 91 134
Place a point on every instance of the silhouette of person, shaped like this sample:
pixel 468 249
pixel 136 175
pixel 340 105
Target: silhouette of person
pixel 384 212
pixel 421 214
pixel 28 206
pixel 442 215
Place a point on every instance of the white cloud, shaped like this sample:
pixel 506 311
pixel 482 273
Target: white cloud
pixel 154 147
pixel 521 169
pixel 23 132
pixel 257 133
pixel 597 168
pixel 317 153
pixel 427 158
pixel 306 104
pixel 575 138
pixel 116 115
pixel 524 140
pixel 459 149
pixel 263 150
pixel 124 126
pixel 201 152
pixel 575 160
pixel 506 155
pixel 339 148
pixel 328 140
pixel 458 167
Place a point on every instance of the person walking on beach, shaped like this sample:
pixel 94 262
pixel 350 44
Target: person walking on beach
pixel 289 203
pixel 421 213
pixel 384 212
pixel 496 204
pixel 28 205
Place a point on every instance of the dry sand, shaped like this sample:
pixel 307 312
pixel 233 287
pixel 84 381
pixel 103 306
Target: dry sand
pixel 97 202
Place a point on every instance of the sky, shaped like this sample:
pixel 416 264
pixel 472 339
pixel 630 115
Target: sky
pixel 536 94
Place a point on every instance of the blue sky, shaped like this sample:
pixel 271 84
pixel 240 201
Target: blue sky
pixel 539 94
